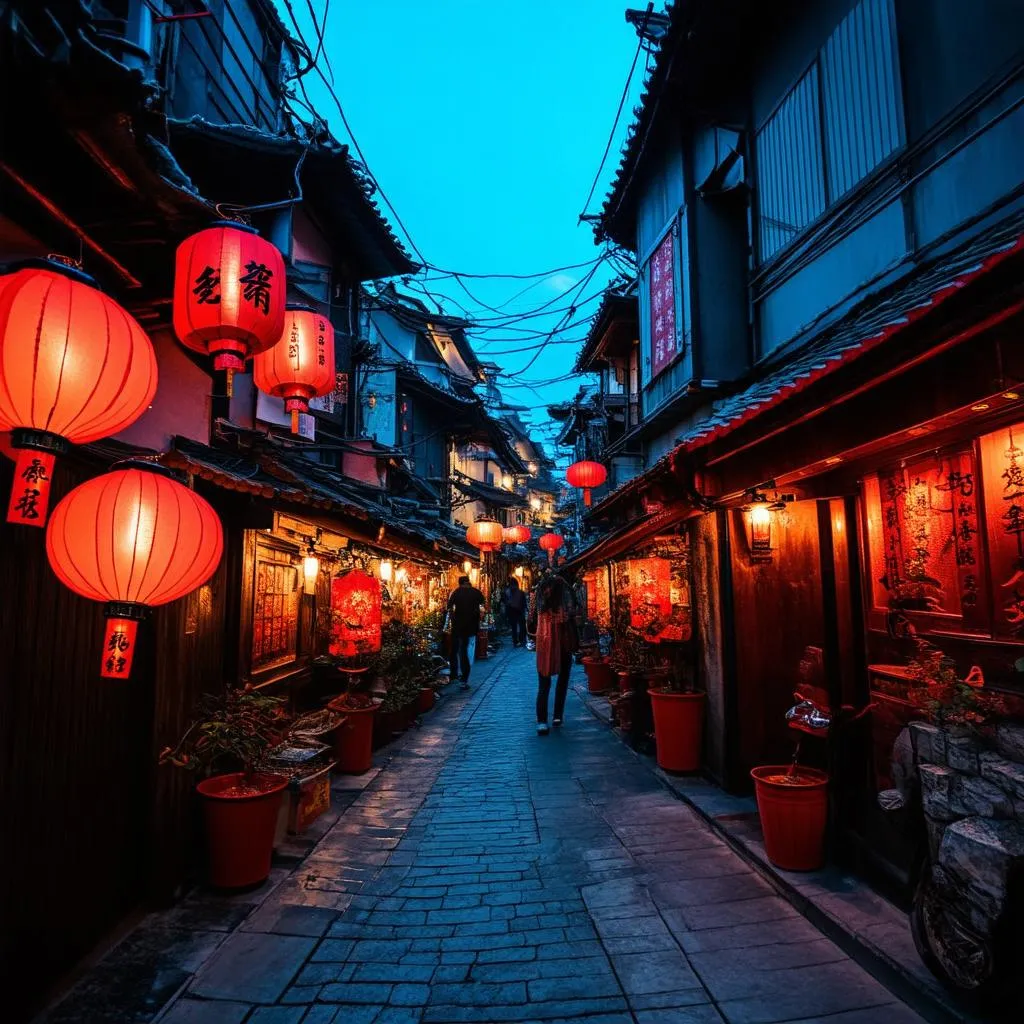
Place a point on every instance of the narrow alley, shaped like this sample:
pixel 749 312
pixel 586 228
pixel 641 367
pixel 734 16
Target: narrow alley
pixel 488 874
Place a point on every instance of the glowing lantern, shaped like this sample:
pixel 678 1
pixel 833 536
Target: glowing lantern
pixel 760 533
pixel 229 293
pixel 485 534
pixel 74 367
pixel 551 542
pixel 386 570
pixel 467 565
pixel 516 534
pixel 134 538
pixel 586 475
pixel 301 365
pixel 355 610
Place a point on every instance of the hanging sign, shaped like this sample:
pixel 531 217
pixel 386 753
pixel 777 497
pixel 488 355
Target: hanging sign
pixel 661 271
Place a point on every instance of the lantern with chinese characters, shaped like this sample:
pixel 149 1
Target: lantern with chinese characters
pixel 133 538
pixel 586 475
pixel 355 614
pixel 516 534
pixel 229 294
pixel 485 534
pixel 551 542
pixel 301 365
pixel 74 367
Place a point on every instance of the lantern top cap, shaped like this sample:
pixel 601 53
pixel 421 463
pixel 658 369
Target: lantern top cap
pixel 236 224
pixel 55 266
pixel 147 467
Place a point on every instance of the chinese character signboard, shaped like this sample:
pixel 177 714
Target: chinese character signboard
pixel 661 274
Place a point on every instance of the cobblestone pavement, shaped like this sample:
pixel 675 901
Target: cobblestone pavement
pixel 493 875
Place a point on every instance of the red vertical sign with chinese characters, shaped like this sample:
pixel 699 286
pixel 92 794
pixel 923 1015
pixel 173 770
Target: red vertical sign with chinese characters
pixel 663 305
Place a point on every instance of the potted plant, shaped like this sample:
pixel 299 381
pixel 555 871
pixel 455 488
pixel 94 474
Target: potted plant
pixel 353 739
pixel 234 731
pixel 678 711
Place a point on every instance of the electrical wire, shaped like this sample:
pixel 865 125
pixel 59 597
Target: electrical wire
pixel 618 112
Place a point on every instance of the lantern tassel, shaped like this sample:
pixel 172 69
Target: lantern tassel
pixel 30 492
pixel 229 382
pixel 586 496
pixel 295 421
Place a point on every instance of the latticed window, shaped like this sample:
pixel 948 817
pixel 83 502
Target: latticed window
pixel 275 620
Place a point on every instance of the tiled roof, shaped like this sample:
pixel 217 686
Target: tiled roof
pixel 488 494
pixel 866 327
pixel 614 305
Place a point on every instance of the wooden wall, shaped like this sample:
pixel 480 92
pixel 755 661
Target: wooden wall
pixel 778 612
pixel 91 826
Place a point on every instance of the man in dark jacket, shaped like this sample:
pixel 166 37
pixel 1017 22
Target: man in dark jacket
pixel 515 603
pixel 464 614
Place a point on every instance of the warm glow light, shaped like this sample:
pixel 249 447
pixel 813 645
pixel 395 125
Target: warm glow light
pixel 586 475
pixel 1011 396
pixel 532 467
pixel 401 574
pixel 760 532
pixel 979 407
pixel 760 516
pixel 474 576
pixel 833 460
pixel 467 566
pixel 310 571
pixel 518 571
pixel 385 571
pixel 506 482
pixel 535 504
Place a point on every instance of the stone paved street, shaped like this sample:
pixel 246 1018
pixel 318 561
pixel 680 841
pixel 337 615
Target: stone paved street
pixel 492 875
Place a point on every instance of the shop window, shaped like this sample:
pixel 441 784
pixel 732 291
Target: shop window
pixel 598 597
pixel 922 525
pixel 275 620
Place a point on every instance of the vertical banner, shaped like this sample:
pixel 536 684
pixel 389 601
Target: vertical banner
pixel 663 305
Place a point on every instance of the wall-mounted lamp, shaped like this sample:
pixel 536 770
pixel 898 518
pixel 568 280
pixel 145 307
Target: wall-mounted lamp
pixel 310 571
pixel 760 533
pixel 467 566
pixel 386 570
pixel 518 571
pixel 535 504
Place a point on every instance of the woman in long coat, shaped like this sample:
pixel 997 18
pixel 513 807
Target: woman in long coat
pixel 553 620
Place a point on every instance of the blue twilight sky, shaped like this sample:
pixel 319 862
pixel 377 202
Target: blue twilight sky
pixel 484 124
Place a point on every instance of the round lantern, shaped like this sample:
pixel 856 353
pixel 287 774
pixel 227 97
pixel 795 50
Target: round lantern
pixel 133 538
pixel 586 475
pixel 518 534
pixel 301 365
pixel 74 367
pixel 229 294
pixel 485 534
pixel 551 542
pixel 355 614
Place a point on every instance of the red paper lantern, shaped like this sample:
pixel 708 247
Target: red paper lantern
pixel 74 367
pixel 518 534
pixel 586 475
pixel 301 365
pixel 485 534
pixel 134 538
pixel 355 614
pixel 551 542
pixel 229 294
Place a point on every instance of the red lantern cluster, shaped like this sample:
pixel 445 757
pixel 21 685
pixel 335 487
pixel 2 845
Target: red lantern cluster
pixel 586 475
pixel 74 367
pixel 229 294
pixel 551 542
pixel 485 534
pixel 518 534
pixel 355 614
pixel 133 538
pixel 301 365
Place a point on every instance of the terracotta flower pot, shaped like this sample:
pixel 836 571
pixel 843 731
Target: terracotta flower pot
pixel 793 810
pixel 600 675
pixel 426 699
pixel 353 741
pixel 241 816
pixel 678 728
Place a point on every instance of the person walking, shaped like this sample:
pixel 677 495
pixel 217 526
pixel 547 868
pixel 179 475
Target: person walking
pixel 464 606
pixel 553 621
pixel 515 605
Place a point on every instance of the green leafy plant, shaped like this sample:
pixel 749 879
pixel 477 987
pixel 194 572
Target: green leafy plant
pixel 232 732
pixel 949 701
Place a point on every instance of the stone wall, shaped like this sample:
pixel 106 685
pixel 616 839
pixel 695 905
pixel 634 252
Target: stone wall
pixel 973 799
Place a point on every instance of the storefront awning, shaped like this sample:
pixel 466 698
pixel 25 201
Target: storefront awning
pixel 631 535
